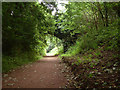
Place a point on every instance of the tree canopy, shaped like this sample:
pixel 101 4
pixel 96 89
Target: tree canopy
pixel 28 26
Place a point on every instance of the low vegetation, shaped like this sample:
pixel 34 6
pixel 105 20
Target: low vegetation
pixel 84 35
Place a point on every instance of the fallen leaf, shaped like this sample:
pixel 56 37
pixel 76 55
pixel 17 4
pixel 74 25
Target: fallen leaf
pixel 5 75
pixel 10 84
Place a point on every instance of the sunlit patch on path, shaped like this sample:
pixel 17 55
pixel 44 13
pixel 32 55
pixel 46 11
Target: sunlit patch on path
pixel 49 54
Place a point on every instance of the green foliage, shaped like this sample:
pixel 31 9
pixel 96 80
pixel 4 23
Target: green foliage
pixel 10 63
pixel 98 53
pixel 54 45
pixel 90 75
pixel 30 28
pixel 96 25
pixel 21 31
pixel 24 25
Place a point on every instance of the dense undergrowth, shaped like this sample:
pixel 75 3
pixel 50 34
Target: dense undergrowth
pixel 95 69
pixel 9 62
pixel 23 33
pixel 85 35
pixel 94 60
pixel 94 57
pixel 93 39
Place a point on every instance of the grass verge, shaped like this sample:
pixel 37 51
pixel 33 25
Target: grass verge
pixel 9 62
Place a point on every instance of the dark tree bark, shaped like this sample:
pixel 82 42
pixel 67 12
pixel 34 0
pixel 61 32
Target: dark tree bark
pixel 100 11
pixel 106 14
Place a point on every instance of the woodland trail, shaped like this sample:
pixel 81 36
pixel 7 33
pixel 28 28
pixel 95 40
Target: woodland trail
pixel 44 73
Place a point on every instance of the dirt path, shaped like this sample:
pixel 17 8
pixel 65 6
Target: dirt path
pixel 44 73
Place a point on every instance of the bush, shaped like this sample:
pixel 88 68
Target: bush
pixel 10 62
pixel 93 39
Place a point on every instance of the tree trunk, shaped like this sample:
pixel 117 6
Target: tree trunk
pixel 100 11
pixel 106 14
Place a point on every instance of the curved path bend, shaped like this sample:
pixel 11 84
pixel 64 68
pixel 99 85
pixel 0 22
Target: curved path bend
pixel 44 73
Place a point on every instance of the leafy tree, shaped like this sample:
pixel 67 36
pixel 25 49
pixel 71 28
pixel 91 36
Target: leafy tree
pixel 24 31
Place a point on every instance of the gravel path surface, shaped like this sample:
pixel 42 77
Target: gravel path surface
pixel 44 73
